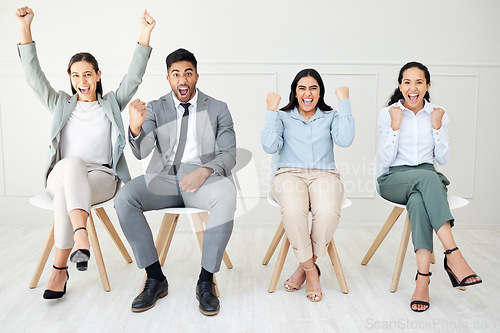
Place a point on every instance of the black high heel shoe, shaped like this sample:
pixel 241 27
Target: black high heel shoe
pixel 50 294
pixel 421 302
pixel 453 277
pixel 80 256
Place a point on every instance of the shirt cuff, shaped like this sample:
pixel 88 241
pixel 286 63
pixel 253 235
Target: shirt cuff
pixel 392 137
pixel 271 117
pixel 344 107
pixel 437 135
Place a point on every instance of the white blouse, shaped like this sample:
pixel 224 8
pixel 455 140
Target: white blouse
pixel 87 134
pixel 415 142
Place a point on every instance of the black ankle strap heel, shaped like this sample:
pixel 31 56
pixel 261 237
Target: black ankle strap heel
pixel 453 278
pixel 421 302
pixel 80 256
pixel 50 294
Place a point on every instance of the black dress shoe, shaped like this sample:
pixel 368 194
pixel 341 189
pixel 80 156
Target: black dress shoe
pixel 205 293
pixel 51 294
pixel 153 289
pixel 80 256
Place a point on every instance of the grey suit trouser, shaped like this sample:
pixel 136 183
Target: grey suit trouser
pixel 152 192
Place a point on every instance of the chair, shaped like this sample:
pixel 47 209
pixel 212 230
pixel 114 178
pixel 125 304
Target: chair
pixel 44 200
pixel 280 233
pixel 454 202
pixel 199 217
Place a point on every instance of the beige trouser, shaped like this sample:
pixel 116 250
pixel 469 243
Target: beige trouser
pixel 76 185
pixel 299 191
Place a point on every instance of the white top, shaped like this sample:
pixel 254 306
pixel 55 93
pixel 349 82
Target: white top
pixel 191 154
pixel 415 142
pixel 87 134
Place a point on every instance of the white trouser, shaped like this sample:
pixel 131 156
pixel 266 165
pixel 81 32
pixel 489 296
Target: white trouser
pixel 73 184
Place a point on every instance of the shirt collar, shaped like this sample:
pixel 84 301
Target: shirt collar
pixel 193 101
pixel 427 106
pixel 296 115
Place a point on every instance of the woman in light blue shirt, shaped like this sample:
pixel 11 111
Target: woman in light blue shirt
pixel 303 134
pixel 412 133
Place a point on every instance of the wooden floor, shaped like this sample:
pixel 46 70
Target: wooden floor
pixel 246 306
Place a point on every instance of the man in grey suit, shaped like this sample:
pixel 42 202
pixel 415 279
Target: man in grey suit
pixel 194 149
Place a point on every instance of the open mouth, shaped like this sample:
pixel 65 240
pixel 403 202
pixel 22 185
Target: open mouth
pixel 307 101
pixel 183 91
pixel 84 90
pixel 413 97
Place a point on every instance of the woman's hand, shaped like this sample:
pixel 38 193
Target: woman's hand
pixel 24 17
pixel 147 25
pixel 396 117
pixel 436 117
pixel 342 93
pixel 273 100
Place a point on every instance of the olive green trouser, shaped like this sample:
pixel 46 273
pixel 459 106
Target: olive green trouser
pixel 423 190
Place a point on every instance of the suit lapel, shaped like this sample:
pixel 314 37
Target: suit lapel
pixel 66 113
pixel 201 118
pixel 170 115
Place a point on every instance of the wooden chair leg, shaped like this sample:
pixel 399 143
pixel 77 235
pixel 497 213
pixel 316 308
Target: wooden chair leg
pixel 200 232
pixel 172 224
pixel 389 223
pixel 47 248
pixel 279 264
pixel 334 258
pixel 96 248
pixel 401 255
pixel 274 243
pixel 204 218
pixel 103 216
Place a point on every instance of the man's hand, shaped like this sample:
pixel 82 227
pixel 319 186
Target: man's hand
pixel 436 117
pixel 147 25
pixel 137 112
pixel 273 100
pixel 192 181
pixel 396 117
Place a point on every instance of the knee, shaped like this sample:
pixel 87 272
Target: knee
pixel 430 178
pixel 122 199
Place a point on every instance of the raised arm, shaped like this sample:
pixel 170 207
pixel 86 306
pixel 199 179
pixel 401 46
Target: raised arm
pixel 27 52
pixel 131 81
pixel 271 136
pixel 24 17
pixel 342 130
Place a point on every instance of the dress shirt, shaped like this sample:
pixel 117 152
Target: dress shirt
pixel 415 142
pixel 191 154
pixel 308 144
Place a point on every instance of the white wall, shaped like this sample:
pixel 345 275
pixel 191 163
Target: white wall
pixel 247 48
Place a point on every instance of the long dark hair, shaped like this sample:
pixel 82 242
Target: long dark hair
pixel 397 95
pixel 293 96
pixel 84 56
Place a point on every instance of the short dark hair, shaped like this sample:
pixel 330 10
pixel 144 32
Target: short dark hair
pixel 293 95
pixel 397 95
pixel 84 56
pixel 181 55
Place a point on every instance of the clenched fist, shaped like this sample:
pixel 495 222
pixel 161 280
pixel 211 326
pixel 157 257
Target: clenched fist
pixel 436 117
pixel 396 117
pixel 147 25
pixel 137 112
pixel 342 93
pixel 273 100
pixel 24 15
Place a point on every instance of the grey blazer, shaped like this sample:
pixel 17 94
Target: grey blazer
pixel 214 128
pixel 62 104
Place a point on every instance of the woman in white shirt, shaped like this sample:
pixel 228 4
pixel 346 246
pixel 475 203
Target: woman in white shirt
pixel 412 133
pixel 303 133
pixel 85 160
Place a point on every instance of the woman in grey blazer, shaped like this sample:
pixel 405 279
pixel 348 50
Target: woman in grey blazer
pixel 85 160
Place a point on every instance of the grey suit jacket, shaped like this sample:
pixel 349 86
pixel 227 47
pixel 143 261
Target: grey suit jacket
pixel 62 104
pixel 214 127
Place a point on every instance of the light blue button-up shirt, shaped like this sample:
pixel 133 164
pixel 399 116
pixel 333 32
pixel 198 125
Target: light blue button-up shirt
pixel 308 144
